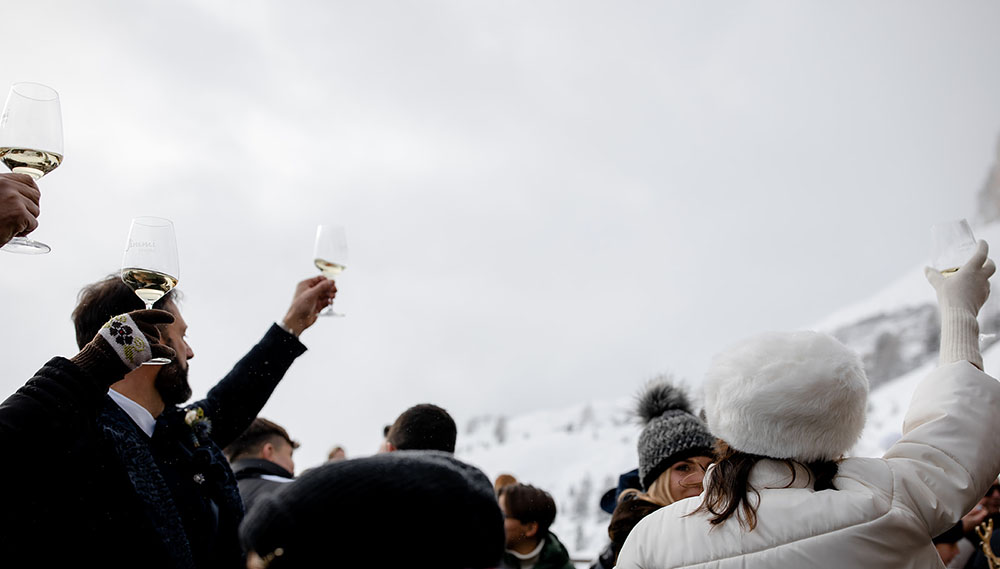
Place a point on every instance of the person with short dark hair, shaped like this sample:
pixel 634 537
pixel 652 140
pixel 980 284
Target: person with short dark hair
pixel 528 514
pixel 261 459
pixel 422 427
pixel 117 466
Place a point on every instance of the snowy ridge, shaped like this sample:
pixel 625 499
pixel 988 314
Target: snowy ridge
pixel 575 454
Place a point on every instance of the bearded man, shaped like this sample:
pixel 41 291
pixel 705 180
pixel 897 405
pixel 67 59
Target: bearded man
pixel 110 469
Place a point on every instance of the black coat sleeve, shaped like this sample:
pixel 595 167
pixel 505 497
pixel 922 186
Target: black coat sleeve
pixel 52 406
pixel 235 401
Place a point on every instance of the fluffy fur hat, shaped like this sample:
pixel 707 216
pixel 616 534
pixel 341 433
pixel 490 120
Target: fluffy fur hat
pixel 798 395
pixel 671 432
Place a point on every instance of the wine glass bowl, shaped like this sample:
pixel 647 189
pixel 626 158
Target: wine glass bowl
pixel 150 265
pixel 330 255
pixel 952 244
pixel 31 141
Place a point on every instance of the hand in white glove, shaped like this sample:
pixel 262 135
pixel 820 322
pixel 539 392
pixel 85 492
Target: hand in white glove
pixel 960 296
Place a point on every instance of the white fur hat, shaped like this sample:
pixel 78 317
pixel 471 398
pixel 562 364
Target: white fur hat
pixel 798 395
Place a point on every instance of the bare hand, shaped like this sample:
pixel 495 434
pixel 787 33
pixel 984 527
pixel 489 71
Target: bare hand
pixel 975 517
pixel 19 206
pixel 311 296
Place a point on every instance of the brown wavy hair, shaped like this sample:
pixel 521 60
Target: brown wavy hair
pixel 728 489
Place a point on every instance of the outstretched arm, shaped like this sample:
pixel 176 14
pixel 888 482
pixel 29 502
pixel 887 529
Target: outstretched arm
pixel 949 453
pixel 237 399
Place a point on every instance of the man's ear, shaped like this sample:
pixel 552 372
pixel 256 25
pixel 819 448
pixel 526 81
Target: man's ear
pixel 267 451
pixel 532 530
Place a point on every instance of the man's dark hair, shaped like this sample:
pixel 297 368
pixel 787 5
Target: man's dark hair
pixel 424 427
pixel 526 503
pixel 260 432
pixel 98 302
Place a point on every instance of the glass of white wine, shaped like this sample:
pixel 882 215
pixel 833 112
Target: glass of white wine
pixel 31 142
pixel 330 255
pixel 952 244
pixel 150 266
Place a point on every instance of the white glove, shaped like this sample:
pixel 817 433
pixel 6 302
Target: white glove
pixel 960 296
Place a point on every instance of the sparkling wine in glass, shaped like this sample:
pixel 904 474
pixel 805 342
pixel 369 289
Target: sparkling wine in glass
pixel 150 266
pixel 31 142
pixel 330 255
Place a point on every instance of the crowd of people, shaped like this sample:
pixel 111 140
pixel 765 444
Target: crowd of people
pixel 109 463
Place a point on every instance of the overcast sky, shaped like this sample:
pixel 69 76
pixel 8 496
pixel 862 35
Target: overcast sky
pixel 545 202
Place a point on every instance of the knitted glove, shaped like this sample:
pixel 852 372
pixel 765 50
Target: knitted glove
pixel 124 343
pixel 960 296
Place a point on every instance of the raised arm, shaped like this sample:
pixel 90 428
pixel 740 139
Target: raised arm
pixel 949 453
pixel 66 393
pixel 237 399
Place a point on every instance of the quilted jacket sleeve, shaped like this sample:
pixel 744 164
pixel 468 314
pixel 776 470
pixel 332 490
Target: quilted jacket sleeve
pixel 950 450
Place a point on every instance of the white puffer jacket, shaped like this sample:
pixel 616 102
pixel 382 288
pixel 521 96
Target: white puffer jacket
pixel 884 512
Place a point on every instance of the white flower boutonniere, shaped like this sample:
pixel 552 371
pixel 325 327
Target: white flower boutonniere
pixel 200 425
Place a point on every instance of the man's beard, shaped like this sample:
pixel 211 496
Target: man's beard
pixel 172 383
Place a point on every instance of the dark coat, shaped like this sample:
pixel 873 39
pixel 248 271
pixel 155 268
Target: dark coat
pixel 552 556
pixel 84 485
pixel 249 475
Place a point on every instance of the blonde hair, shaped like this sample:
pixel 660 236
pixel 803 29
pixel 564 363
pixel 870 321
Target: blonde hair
pixel 658 492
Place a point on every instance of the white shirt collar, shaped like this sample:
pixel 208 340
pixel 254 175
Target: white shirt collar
pixel 529 559
pixel 142 417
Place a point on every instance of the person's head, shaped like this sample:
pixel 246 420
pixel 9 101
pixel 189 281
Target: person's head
pixel 503 480
pixel 265 440
pixel 799 397
pixel 675 446
pixel 528 513
pixel 99 302
pixel 415 509
pixel 337 453
pixel 423 427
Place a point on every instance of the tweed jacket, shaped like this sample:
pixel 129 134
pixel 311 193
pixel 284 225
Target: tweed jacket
pixel 91 487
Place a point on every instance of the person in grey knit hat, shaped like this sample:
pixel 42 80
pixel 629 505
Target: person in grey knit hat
pixel 675 449
pixel 671 435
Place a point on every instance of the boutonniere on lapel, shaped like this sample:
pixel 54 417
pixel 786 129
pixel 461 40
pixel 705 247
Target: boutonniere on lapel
pixel 199 424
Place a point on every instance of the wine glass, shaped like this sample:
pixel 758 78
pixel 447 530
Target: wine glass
pixel 150 266
pixel 952 245
pixel 330 255
pixel 31 142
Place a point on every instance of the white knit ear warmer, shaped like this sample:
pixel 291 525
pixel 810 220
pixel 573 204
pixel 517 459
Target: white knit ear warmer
pixel 798 395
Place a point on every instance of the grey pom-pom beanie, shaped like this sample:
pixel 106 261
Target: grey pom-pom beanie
pixel 671 431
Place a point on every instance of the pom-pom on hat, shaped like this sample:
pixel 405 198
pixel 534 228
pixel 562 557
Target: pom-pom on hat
pixel 797 395
pixel 384 510
pixel 671 433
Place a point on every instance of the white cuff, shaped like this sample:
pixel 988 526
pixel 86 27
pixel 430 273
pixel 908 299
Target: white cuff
pixel 959 337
